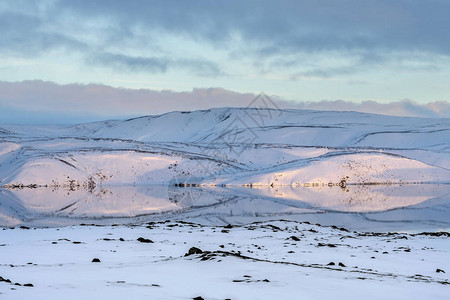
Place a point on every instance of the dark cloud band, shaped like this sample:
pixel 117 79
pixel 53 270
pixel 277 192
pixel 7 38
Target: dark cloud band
pixel 49 100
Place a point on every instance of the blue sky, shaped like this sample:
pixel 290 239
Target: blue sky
pixel 343 54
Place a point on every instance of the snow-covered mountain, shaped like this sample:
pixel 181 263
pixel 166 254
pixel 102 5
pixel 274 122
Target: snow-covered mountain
pixel 276 151
pixel 250 145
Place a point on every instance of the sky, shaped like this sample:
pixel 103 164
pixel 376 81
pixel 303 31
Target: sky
pixel 77 61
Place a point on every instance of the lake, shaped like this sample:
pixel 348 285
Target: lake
pixel 412 207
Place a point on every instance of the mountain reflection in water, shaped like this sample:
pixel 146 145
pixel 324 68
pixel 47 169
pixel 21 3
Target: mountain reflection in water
pixel 358 207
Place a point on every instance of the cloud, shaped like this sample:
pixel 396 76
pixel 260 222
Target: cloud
pixel 21 35
pixel 406 108
pixel 363 62
pixel 130 63
pixel 289 25
pixel 143 34
pixel 41 102
pixel 154 64
pixel 109 102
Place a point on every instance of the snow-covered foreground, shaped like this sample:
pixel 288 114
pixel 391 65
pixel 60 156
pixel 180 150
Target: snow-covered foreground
pixel 268 260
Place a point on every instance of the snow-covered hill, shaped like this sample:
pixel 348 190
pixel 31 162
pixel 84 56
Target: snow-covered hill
pixel 227 147
pixel 279 146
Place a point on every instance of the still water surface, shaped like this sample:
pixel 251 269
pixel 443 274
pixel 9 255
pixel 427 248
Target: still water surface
pixel 371 208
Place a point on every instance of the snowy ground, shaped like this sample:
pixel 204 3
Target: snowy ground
pixel 268 260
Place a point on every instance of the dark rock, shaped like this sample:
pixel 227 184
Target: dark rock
pixel 274 227
pixel 225 231
pixel 341 265
pixel 143 240
pixel 28 285
pixel 331 263
pixel 198 298
pixel 294 238
pixel 437 234
pixel 229 226
pixel 96 260
pixel 440 271
pixel 76 243
pixel 194 250
pixel 24 227
pixel 326 245
pixel 222 246
pixel 121 239
pixel 18 284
